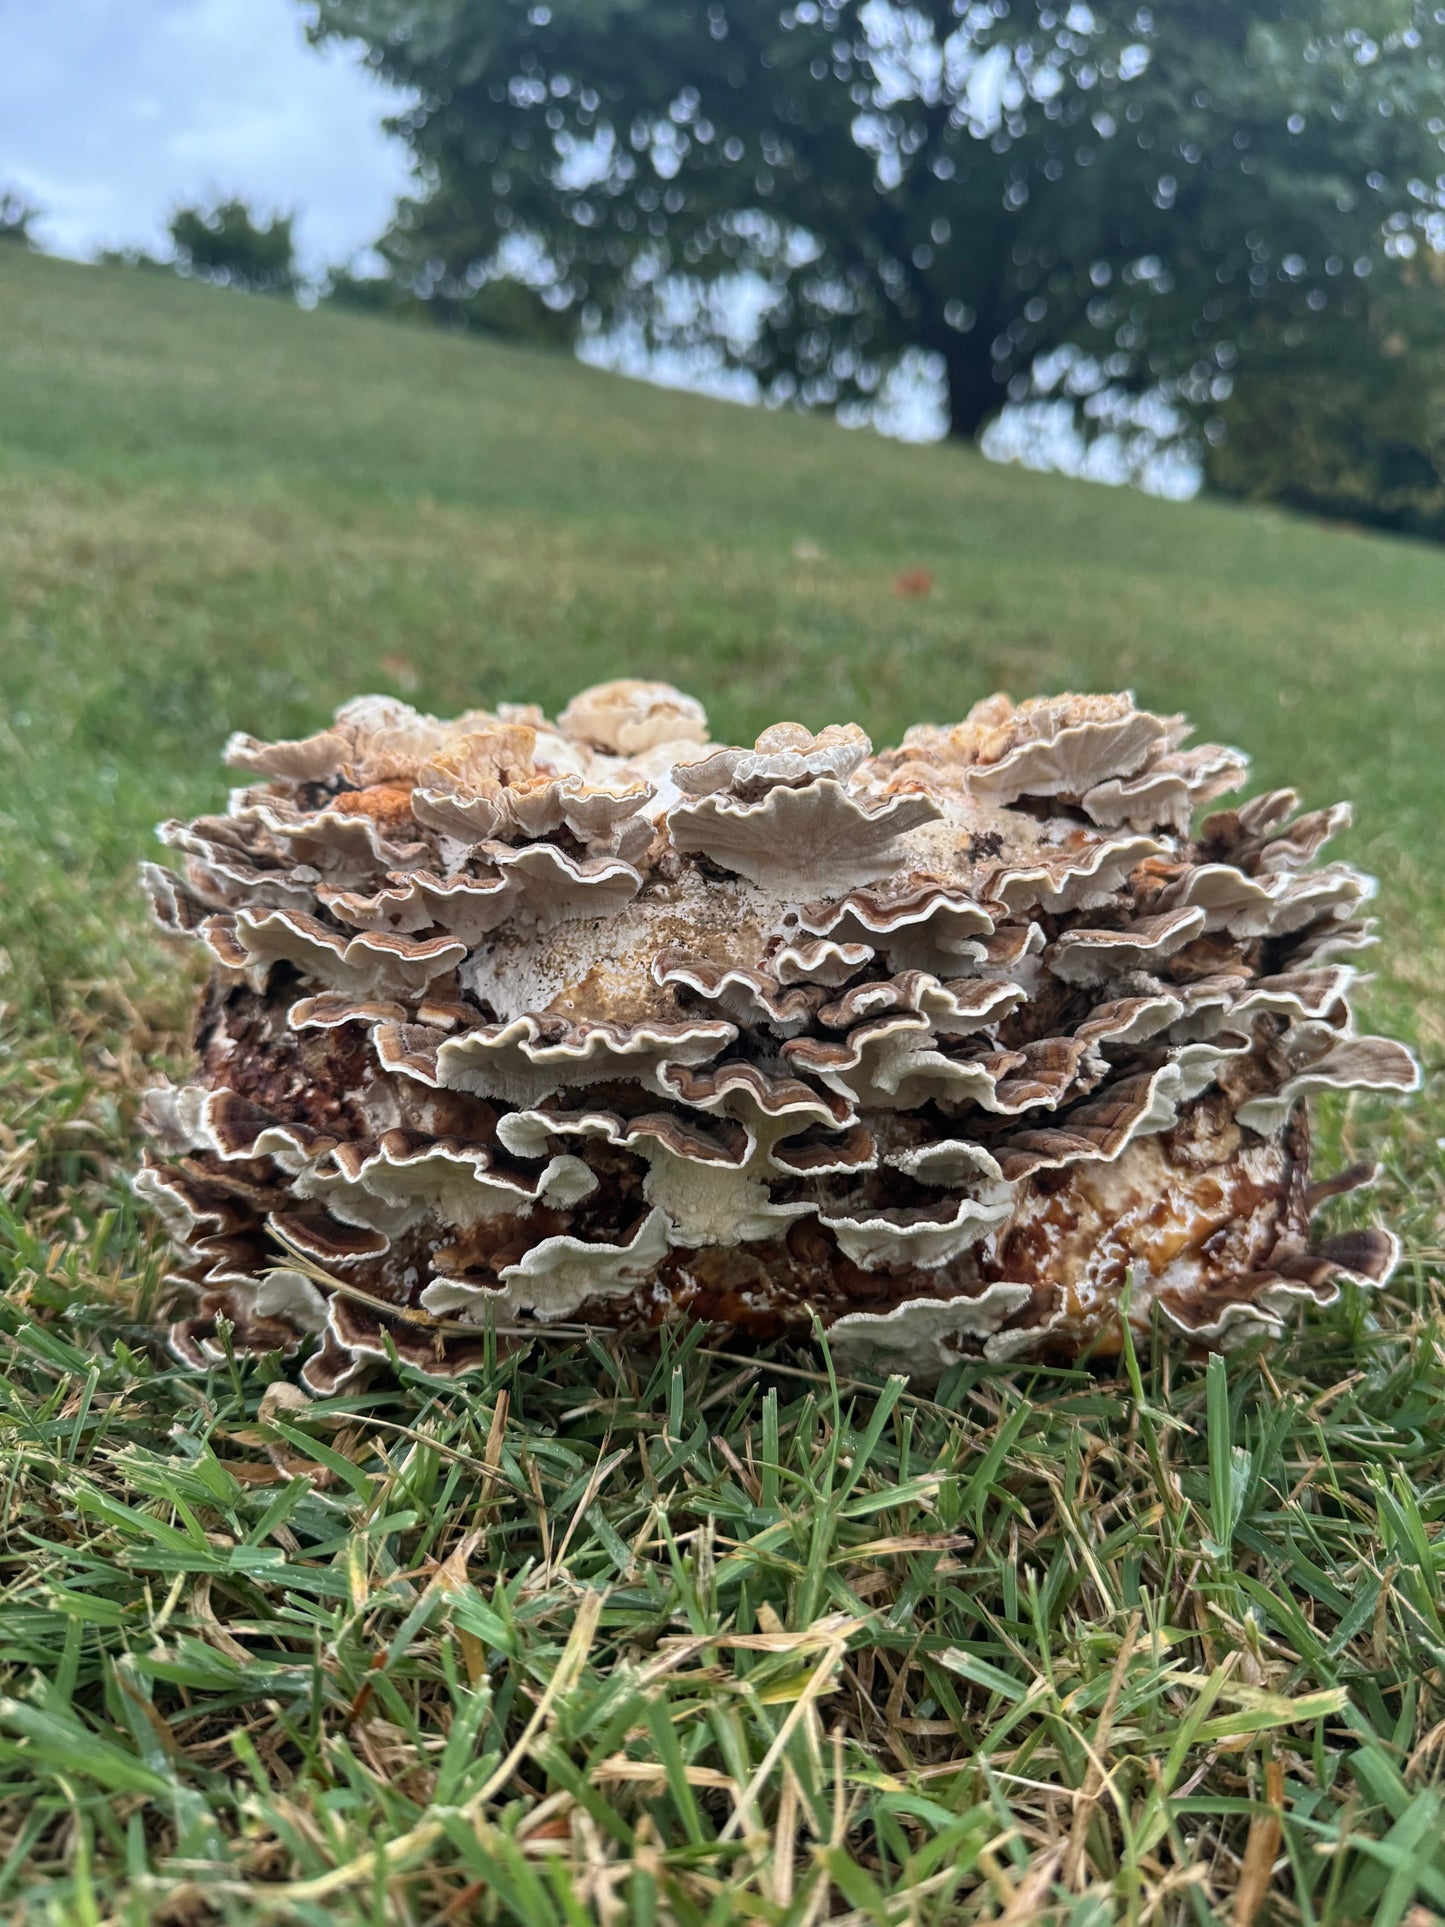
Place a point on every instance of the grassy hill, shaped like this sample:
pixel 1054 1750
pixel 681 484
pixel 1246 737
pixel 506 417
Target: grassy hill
pixel 1048 1648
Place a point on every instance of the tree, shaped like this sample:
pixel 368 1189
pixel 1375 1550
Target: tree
pixel 990 180
pixel 227 245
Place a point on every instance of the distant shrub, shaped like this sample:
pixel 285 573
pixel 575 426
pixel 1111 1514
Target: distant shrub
pixel 515 312
pixel 1356 437
pixel 16 216
pixel 1322 444
pixel 133 258
pixel 370 294
pixel 228 246
pixel 502 308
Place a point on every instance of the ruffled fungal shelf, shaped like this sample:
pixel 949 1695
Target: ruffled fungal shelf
pixel 597 1022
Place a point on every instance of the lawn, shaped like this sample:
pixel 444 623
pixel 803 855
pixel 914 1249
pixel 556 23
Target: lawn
pixel 662 1636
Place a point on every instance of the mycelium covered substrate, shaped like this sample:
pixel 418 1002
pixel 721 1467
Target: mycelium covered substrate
pixel 598 1023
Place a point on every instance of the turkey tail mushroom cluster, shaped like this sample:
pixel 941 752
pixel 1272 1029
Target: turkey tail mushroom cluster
pixel 595 1023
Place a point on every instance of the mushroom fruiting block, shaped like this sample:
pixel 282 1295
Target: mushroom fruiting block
pixel 596 1022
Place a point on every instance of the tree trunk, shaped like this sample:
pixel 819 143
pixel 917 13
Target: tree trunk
pixel 973 394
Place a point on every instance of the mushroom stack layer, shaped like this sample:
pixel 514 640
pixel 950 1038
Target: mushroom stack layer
pixel 597 1023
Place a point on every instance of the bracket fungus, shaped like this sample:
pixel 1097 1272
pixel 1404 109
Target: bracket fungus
pixel 596 1023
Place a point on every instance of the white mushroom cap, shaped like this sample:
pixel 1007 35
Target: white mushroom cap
pixel 629 717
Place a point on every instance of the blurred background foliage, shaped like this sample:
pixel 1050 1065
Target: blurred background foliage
pixel 1225 205
pixel 1212 228
pixel 1358 435
pixel 16 218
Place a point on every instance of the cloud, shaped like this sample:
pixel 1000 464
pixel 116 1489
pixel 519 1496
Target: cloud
pixel 115 111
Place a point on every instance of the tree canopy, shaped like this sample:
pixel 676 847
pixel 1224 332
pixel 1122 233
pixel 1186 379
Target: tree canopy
pixel 1157 188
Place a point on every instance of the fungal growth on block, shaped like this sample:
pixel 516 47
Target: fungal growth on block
pixel 524 1024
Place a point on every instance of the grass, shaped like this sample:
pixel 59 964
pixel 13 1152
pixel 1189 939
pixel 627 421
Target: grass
pixel 661 1636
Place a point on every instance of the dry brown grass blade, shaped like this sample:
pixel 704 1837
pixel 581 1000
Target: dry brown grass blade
pixel 1261 1848
pixel 1030 1900
pixel 819 1682
pixel 1097 1774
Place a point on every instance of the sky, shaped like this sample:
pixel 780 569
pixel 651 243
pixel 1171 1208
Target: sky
pixel 112 112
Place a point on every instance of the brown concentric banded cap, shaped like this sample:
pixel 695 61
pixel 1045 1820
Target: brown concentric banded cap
pixel 525 1023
